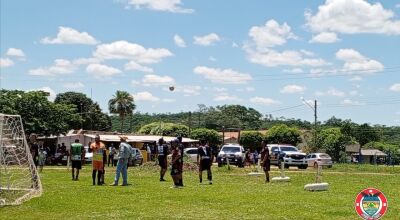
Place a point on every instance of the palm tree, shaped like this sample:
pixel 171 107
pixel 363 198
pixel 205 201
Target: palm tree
pixel 122 104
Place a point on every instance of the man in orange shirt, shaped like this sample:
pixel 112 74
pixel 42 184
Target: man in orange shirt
pixel 99 149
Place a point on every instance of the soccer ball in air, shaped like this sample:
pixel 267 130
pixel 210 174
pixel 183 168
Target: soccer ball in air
pixel 171 88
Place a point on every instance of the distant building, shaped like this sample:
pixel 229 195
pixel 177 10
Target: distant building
pixel 372 156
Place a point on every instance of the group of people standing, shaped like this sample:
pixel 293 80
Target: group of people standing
pixel 124 151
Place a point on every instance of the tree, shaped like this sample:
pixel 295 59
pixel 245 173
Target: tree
pixel 165 129
pixel 92 118
pixel 209 135
pixel 38 114
pixel 282 134
pixel 365 133
pixel 122 104
pixel 251 139
pixel 333 141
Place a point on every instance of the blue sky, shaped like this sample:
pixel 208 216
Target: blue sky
pixel 268 55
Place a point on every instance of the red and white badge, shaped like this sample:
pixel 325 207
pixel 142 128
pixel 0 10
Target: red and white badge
pixel 371 204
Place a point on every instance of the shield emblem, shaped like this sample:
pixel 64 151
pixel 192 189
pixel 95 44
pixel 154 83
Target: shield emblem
pixel 371 204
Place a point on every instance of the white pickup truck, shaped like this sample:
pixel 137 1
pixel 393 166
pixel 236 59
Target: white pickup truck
pixel 288 154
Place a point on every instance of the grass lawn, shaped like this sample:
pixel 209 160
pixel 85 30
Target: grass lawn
pixel 234 195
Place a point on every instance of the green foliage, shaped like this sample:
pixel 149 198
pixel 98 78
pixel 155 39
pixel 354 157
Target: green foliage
pixel 282 134
pixel 38 114
pixel 91 117
pixel 251 139
pixel 365 133
pixel 122 104
pixel 210 135
pixel 333 142
pixel 222 200
pixel 165 129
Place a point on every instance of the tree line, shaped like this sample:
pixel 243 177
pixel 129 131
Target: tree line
pixel 73 110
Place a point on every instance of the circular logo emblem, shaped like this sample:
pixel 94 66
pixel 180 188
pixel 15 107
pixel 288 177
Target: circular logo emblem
pixel 371 204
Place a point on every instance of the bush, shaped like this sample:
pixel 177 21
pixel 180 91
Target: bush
pixel 165 129
pixel 210 135
pixel 251 139
pixel 282 134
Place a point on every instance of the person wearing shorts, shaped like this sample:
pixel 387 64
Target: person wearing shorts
pixel 176 172
pixel 162 151
pixel 204 160
pixel 99 149
pixel 265 160
pixel 76 152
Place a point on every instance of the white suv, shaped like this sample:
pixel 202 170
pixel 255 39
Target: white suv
pixel 288 154
pixel 233 153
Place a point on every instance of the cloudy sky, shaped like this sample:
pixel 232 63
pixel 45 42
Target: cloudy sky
pixel 269 55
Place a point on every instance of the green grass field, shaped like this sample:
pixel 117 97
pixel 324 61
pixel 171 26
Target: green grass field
pixel 234 195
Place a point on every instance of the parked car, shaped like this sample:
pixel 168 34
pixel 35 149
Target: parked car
pixel 136 158
pixel 88 155
pixel 321 159
pixel 233 153
pixel 288 154
pixel 191 154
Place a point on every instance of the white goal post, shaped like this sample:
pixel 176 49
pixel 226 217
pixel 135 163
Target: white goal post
pixel 19 179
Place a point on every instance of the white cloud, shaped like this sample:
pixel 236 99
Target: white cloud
pixel 250 89
pixel 74 85
pixel 264 101
pixel 67 35
pixel 60 67
pixel 206 40
pixel 156 80
pixel 219 89
pixel 307 53
pixel 188 90
pixel 395 87
pixel 355 78
pixel 350 102
pixel 6 62
pixel 168 100
pixel 131 51
pixel 354 93
pixel 132 65
pixel 145 96
pixel 325 37
pixel 224 76
pixel 14 52
pixel 397 5
pixel 100 70
pixel 86 61
pixel 294 70
pixel 225 97
pixel 331 92
pixel 212 59
pixel 235 45
pixel 271 58
pixel 351 17
pixel 356 62
pixel 271 34
pixel 174 6
pixel 289 89
pixel 179 41
pixel 50 91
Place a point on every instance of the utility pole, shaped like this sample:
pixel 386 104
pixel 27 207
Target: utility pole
pixel 190 122
pixel 314 108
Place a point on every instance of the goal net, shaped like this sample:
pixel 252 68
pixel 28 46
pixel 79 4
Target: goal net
pixel 19 179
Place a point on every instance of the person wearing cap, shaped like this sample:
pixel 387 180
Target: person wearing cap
pixel 204 160
pixel 265 160
pixel 176 171
pixel 99 149
pixel 162 152
pixel 124 152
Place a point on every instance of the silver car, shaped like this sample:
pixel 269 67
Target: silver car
pixel 319 159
